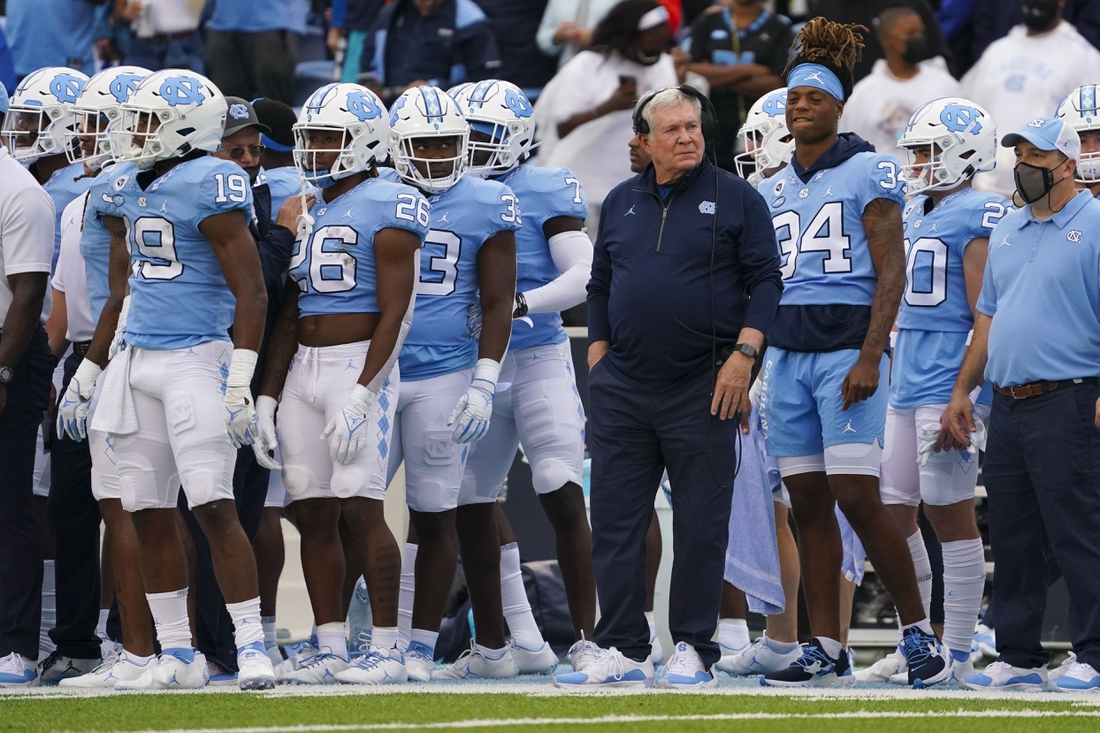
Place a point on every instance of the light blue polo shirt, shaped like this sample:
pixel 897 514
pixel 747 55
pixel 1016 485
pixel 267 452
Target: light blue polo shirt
pixel 258 16
pixel 1042 288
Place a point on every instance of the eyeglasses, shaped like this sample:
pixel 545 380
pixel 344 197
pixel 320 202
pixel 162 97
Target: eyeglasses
pixel 254 151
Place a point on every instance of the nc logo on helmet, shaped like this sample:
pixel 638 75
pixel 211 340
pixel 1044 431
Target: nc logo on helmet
pixel 66 88
pixel 363 106
pixel 775 105
pixel 123 86
pixel 517 103
pixel 179 90
pixel 960 118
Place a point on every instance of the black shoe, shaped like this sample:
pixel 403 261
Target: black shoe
pixel 814 668
pixel 924 655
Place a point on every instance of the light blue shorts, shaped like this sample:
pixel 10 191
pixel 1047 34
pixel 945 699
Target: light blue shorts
pixel 800 405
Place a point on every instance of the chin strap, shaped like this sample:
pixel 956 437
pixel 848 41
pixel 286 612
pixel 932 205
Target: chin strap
pixel 305 221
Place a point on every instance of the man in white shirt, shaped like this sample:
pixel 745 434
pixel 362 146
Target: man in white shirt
pixel 1025 75
pixel 26 248
pixel 898 85
pixel 567 25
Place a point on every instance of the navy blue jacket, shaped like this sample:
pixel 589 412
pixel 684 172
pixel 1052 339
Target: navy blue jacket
pixel 655 294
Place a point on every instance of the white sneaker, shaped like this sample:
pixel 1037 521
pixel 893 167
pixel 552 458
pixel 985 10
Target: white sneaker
pixel 375 668
pixel 1003 676
pixel 609 669
pixel 986 638
pixel 419 662
pixel 254 668
pixel 961 670
pixel 882 670
pixel 1080 677
pixel 1064 667
pixel 291 663
pixel 584 653
pixel 17 671
pixel 114 669
pixel 169 672
pixel 474 664
pixel 320 669
pixel 539 661
pixel 729 652
pixel 657 651
pixel 685 670
pixel 758 658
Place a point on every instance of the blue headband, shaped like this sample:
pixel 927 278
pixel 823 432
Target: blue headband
pixel 818 77
pixel 272 145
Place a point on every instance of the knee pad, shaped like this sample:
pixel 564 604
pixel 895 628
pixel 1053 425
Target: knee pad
pixel 349 481
pixel 207 473
pixel 551 474
pixel 862 459
pixel 147 478
pixel 296 479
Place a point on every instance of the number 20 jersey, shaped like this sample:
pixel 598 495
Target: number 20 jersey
pixel 463 218
pixel 335 269
pixel 819 228
pixel 178 294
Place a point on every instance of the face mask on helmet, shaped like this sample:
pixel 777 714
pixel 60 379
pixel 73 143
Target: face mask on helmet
pixel 417 163
pixel 317 151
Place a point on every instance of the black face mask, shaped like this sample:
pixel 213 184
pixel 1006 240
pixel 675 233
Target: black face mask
pixel 916 50
pixel 1033 182
pixel 1038 15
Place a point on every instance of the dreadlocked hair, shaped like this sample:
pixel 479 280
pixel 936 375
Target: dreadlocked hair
pixel 836 46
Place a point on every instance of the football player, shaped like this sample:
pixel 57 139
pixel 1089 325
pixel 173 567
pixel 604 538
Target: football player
pixel 345 315
pixel 1080 108
pixel 837 215
pixel 449 375
pixel 542 409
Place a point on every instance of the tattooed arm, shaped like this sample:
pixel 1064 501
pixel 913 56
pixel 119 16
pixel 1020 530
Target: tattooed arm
pixel 882 223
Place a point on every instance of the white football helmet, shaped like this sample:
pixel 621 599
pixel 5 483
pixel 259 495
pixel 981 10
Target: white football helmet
pixel 961 137
pixel 190 111
pixel 357 115
pixel 41 113
pixel 427 112
pixel 1079 108
pixel 500 110
pixel 97 109
pixel 767 142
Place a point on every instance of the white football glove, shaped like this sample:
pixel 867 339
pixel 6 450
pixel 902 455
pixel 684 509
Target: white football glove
pixel 120 329
pixel 72 412
pixel 347 432
pixel 240 409
pixel 475 408
pixel 266 442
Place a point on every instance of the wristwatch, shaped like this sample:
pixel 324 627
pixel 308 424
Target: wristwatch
pixel 6 375
pixel 747 349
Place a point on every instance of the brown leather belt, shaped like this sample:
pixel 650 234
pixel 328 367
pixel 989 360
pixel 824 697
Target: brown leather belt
pixel 82 347
pixel 1034 389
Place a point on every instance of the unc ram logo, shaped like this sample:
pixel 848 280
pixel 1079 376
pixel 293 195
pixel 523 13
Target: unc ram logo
pixel 517 103
pixel 363 106
pixel 961 118
pixel 66 88
pixel 123 86
pixel 181 90
pixel 775 105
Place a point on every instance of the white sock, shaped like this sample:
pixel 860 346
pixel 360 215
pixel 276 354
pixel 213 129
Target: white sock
pixel 49 606
pixel 923 567
pixel 247 629
pixel 963 584
pixel 405 597
pixel 140 661
pixel 491 654
pixel 333 639
pixel 924 625
pixel 513 596
pixel 831 647
pixel 651 619
pixel 383 638
pixel 271 634
pixel 101 628
pixel 425 637
pixel 169 612
pixel 733 633
pixel 780 647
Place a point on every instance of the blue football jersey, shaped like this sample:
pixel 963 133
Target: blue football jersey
pixel 178 294
pixel 64 185
pixel 543 193
pixel 935 320
pixel 336 271
pixel 819 228
pixel 463 217
pixel 95 240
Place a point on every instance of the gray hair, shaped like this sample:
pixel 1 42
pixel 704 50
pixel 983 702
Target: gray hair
pixel 666 99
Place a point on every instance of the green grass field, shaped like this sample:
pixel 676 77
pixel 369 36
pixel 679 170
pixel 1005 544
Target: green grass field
pixel 530 707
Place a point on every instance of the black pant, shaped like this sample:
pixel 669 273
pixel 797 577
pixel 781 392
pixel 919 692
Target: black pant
pixel 633 436
pixel 28 394
pixel 1042 472
pixel 252 65
pixel 74 517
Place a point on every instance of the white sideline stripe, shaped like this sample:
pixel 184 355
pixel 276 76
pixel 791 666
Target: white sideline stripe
pixel 612 719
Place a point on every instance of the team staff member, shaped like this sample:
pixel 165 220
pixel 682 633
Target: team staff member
pixel 1037 338
pixel 703 239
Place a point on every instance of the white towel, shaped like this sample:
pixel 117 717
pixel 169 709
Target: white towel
pixel 115 411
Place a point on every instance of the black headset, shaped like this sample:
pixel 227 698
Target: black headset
pixel 708 119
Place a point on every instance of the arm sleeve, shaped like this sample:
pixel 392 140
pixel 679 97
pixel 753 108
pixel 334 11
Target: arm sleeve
pixel 599 287
pixel 758 257
pixel 572 255
pixel 26 231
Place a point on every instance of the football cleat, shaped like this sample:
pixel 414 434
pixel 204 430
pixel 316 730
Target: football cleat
pixel 1079 677
pixel 1003 676
pixel 57 667
pixel 375 668
pixel 419 662
pixel 758 658
pixel 885 669
pixel 112 670
pixel 813 668
pixel 926 659
pixel 320 669
pixel 254 668
pixel 297 654
pixel 473 664
pixel 685 670
pixel 538 661
pixel 609 669
pixel 17 671
pixel 1064 667
pixel 584 653
pixel 174 669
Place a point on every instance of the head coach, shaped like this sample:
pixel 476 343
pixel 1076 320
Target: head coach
pixel 1037 338
pixel 685 276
